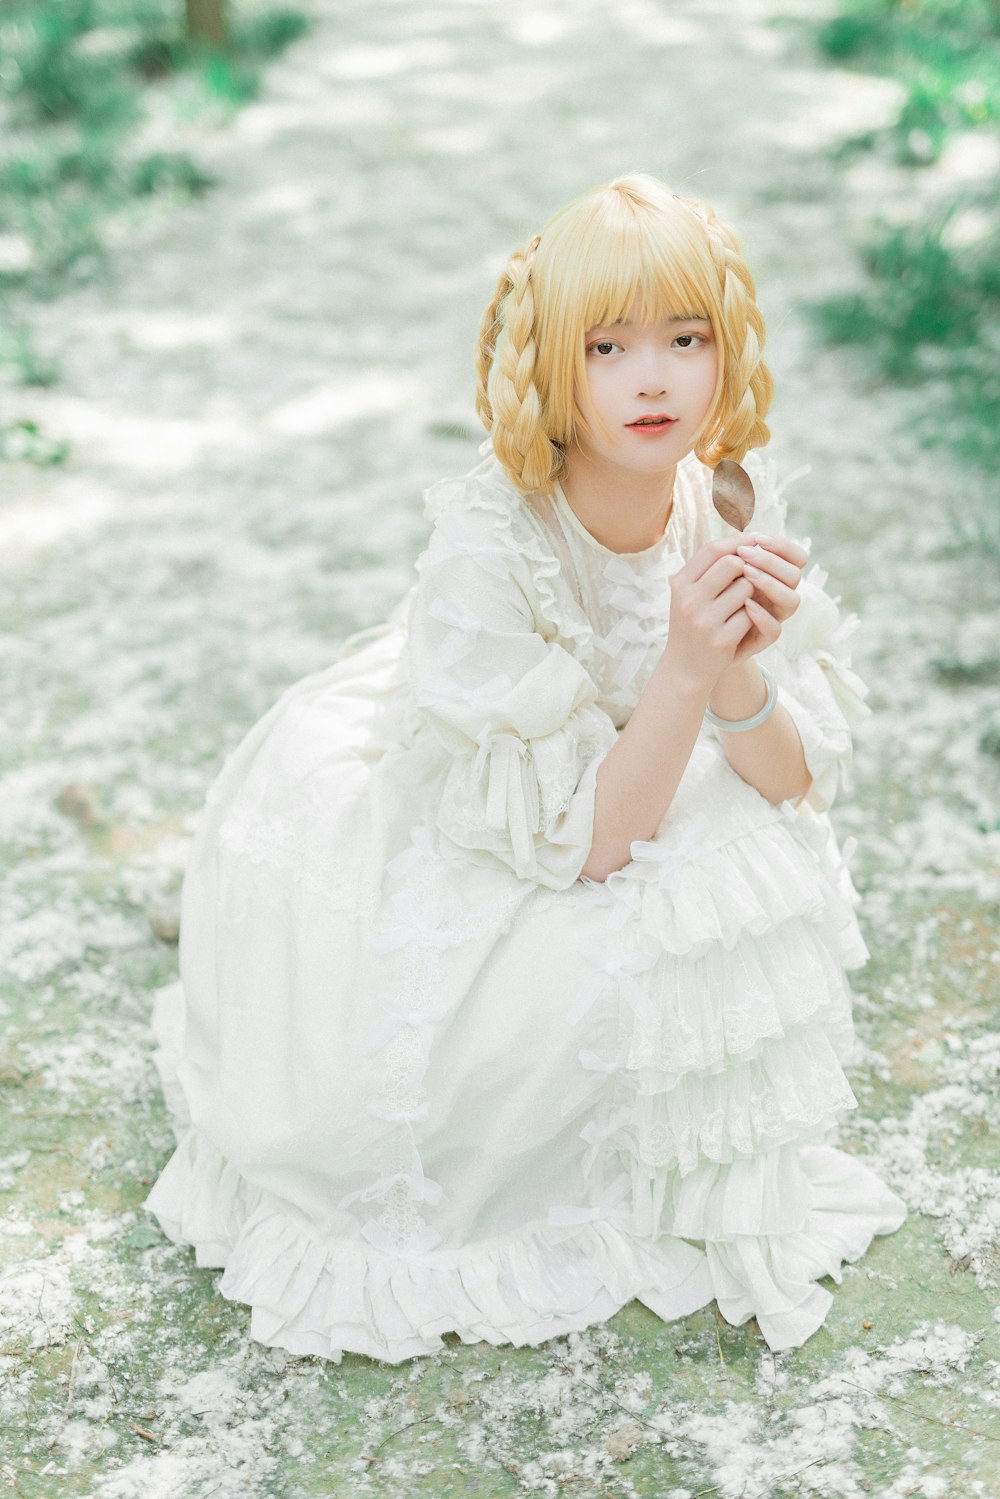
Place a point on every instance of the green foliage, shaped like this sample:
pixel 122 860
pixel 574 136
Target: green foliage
pixel 73 85
pixel 945 52
pixel 168 170
pixel 931 311
pixel 75 78
pixel 27 443
pixel 927 295
pixel 20 362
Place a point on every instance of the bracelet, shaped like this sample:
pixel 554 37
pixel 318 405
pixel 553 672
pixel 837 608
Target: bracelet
pixel 738 725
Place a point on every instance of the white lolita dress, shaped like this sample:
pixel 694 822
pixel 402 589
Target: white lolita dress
pixel 425 1078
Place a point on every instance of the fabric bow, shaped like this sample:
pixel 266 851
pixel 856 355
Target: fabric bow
pixel 421 1187
pixel 611 967
pixel 512 793
pixel 571 1217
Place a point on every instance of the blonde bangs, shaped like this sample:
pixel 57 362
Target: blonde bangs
pixel 593 274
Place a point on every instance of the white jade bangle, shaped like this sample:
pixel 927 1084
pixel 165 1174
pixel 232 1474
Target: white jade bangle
pixel 738 725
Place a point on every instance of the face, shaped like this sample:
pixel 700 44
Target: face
pixel 651 385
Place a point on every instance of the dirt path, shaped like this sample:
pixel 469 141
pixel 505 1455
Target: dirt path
pixel 255 401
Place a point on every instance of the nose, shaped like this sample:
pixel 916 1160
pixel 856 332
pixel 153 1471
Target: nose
pixel 651 376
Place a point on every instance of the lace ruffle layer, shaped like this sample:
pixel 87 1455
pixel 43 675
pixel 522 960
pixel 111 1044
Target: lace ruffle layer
pixel 327 1298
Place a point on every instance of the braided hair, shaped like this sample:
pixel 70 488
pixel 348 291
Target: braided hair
pixel 631 239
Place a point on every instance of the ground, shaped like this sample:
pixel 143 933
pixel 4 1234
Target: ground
pixel 255 395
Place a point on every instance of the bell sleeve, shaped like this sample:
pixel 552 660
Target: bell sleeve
pixel 515 712
pixel 811 663
pixel 822 694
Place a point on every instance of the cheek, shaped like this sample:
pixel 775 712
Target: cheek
pixel 709 378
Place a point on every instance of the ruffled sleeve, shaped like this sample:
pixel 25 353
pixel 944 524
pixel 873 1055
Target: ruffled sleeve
pixel 515 711
pixel 812 661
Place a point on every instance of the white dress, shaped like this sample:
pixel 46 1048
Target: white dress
pixel 425 1078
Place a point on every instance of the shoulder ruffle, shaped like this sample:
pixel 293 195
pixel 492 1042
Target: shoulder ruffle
pixel 488 490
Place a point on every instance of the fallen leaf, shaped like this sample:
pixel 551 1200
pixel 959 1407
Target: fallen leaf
pixel 732 494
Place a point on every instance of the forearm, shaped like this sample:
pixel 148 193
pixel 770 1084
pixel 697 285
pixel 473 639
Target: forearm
pixel 770 757
pixel 639 775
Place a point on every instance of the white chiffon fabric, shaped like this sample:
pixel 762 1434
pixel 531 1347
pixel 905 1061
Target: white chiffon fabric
pixel 425 1077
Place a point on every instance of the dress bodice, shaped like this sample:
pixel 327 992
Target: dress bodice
pixel 624 595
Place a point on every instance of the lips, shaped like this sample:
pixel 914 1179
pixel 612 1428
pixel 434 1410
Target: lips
pixel 654 419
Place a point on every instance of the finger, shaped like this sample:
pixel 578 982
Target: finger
pixel 784 598
pixel 770 562
pixel 765 622
pixel 783 546
pixel 722 572
pixel 706 556
pixel 716 611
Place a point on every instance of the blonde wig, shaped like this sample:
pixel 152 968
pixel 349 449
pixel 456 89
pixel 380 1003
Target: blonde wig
pixel 632 239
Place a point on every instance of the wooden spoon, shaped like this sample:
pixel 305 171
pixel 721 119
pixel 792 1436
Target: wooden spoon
pixel 732 494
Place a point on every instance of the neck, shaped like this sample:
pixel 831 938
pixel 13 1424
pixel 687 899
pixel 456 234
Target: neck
pixel 625 512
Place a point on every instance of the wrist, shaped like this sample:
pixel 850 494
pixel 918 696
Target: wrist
pixel 739 692
pixel 685 684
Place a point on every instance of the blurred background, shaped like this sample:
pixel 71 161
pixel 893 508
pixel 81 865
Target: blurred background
pixel 244 251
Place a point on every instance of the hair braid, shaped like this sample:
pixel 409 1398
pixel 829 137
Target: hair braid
pixel 747 381
pixel 507 397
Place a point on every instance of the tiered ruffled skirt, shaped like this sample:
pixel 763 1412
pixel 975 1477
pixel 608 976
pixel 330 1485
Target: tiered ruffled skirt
pixel 611 1092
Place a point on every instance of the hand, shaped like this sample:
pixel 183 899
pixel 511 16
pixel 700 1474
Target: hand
pixel 773 564
pixel 708 617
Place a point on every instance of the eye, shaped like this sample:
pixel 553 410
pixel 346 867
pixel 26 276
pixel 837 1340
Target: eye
pixel 689 340
pixel 602 346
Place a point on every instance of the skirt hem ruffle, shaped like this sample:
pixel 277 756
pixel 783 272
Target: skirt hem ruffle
pixel 325 1299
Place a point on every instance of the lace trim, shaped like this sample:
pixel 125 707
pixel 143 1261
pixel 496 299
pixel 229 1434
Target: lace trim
pixel 423 916
pixel 709 1059
pixel 271 843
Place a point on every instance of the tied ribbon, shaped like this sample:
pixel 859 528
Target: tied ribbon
pixel 599 1069
pixel 396 1015
pixel 618 571
pixel 630 631
pixel 596 1134
pixel 461 637
pixel 572 1217
pixel 422 1188
pixel 511 795
pixel 412 930
pixel 630 641
pixel 441 690
pixel 610 968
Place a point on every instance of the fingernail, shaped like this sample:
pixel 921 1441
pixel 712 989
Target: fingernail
pixel 746 551
pixel 752 572
pixel 757 536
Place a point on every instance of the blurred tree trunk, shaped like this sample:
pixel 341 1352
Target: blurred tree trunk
pixel 206 21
